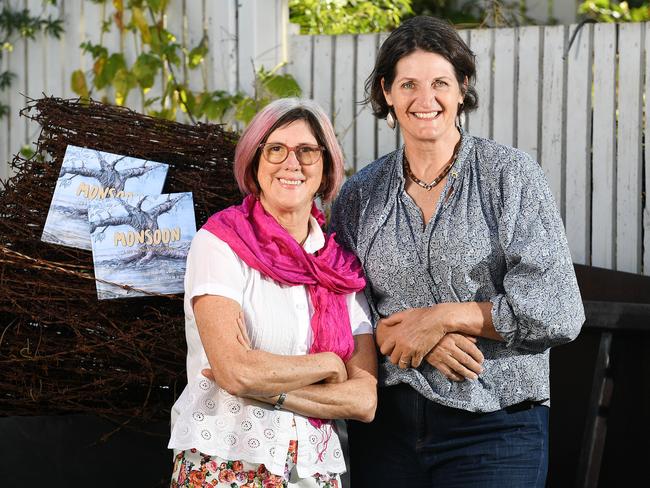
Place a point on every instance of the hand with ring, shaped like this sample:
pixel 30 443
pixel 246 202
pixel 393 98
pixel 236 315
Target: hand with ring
pixel 404 363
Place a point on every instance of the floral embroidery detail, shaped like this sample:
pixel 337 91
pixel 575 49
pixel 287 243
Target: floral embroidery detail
pixel 193 469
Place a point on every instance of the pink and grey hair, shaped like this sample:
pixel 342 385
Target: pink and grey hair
pixel 278 114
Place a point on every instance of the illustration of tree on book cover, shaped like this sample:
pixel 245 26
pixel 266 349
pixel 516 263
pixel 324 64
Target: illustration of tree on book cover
pixel 141 242
pixel 88 175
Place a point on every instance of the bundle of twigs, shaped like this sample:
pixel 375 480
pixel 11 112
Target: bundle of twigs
pixel 62 350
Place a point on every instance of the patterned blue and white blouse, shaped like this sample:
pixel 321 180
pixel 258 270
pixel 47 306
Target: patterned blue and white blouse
pixel 497 238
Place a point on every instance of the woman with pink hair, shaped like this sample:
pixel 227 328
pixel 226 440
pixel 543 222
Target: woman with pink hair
pixel 276 310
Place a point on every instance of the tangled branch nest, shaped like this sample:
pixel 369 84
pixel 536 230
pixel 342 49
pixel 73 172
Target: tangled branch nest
pixel 62 350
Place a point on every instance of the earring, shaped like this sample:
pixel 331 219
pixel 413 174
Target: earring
pixel 460 118
pixel 390 120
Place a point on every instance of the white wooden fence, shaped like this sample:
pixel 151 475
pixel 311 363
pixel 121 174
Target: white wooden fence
pixel 580 114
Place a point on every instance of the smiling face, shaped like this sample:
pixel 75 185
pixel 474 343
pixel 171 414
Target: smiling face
pixel 288 187
pixel 425 96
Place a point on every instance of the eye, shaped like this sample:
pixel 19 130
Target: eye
pixel 274 148
pixel 440 83
pixel 308 149
pixel 408 85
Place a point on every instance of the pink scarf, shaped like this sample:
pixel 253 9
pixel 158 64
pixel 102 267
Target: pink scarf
pixel 263 244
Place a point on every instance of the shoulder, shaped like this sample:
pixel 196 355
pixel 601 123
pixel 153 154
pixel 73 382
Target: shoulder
pixel 206 244
pixel 502 161
pixel 367 177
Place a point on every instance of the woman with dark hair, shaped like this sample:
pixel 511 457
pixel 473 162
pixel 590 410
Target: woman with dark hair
pixel 469 280
pixel 273 308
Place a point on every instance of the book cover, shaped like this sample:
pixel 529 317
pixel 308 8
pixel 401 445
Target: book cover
pixel 140 243
pixel 89 175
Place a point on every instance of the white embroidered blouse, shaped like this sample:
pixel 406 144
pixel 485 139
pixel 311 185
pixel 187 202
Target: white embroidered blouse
pixel 208 418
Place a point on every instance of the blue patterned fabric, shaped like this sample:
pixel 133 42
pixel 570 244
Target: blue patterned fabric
pixel 497 238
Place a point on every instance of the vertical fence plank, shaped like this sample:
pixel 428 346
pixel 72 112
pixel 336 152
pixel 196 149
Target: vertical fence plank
pixel 344 105
pixel 193 32
pixel 478 122
pixel 323 59
pixel 35 75
pixel 646 210
pixel 5 141
pixel 386 137
pixel 365 127
pixel 174 24
pixel 552 111
pixel 18 66
pixel 628 157
pixel 73 15
pixel 222 41
pixel 603 155
pixel 301 64
pixel 52 48
pixel 528 90
pixel 503 111
pixel 578 145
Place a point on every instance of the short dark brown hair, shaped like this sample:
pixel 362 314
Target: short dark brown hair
pixel 427 34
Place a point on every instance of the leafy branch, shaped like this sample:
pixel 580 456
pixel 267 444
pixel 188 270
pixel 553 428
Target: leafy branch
pixel 163 65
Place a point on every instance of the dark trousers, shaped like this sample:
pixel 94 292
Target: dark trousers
pixel 414 442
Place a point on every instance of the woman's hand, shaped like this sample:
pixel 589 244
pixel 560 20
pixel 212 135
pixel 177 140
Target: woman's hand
pixel 340 371
pixel 457 357
pixel 408 336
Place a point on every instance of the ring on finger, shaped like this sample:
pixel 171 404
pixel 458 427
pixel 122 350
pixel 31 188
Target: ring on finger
pixel 403 361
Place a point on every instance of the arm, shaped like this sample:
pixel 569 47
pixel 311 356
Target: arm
pixel 412 334
pixel 355 398
pixel 243 371
pixel 539 305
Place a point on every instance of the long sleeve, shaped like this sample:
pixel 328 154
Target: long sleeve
pixel 540 306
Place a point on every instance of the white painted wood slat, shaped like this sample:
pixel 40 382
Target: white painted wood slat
pixel 386 137
pixel 5 141
pixel 52 60
pixel 18 65
pixel 365 133
pixel 300 66
pixel 222 41
pixel 344 105
pixel 629 147
pixel 578 145
pixel 552 111
pixel 193 32
pixel 646 210
pixel 71 52
pixel 528 90
pixel 603 154
pixel 35 74
pixel 503 112
pixel 478 122
pixel 323 83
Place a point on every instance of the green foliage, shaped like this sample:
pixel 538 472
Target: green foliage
pixel 20 24
pixel 612 11
pixel 347 16
pixel 164 63
pixel 475 13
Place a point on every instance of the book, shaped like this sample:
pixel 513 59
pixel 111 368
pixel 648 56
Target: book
pixel 140 243
pixel 89 175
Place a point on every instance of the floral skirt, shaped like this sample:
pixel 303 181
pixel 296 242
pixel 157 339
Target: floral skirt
pixel 193 469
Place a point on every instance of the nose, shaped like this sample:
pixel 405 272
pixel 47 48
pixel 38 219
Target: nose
pixel 428 98
pixel 292 162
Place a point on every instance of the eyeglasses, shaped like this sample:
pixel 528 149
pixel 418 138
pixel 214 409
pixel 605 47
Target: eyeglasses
pixel 276 153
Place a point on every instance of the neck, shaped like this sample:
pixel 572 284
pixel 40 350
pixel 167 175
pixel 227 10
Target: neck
pixel 428 158
pixel 296 223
